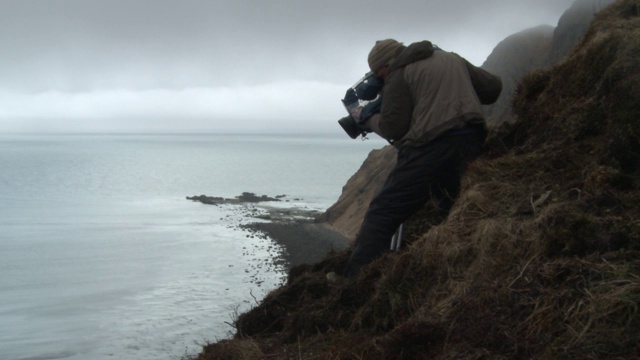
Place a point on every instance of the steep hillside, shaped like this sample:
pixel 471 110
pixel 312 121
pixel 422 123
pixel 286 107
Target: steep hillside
pixel 512 59
pixel 539 258
pixel 534 49
pixel 572 27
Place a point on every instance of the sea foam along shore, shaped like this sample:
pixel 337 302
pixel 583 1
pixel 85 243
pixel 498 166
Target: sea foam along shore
pixel 304 239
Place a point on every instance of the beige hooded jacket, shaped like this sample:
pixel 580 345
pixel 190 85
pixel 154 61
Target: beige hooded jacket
pixel 428 92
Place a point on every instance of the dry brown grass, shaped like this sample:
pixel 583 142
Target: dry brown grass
pixel 539 258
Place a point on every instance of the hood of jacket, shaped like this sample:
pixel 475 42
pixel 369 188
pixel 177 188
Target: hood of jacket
pixel 412 53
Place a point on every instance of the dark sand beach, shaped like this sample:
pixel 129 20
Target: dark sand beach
pixel 304 242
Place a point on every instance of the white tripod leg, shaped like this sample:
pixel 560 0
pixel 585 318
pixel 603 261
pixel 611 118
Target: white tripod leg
pixel 396 240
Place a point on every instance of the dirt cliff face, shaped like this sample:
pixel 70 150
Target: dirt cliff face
pixel 538 259
pixel 347 213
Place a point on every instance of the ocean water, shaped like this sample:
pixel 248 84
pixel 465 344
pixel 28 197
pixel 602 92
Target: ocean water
pixel 102 257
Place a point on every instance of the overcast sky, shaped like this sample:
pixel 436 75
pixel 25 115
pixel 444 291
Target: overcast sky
pixel 220 65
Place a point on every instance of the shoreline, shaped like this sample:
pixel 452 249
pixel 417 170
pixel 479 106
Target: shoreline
pixel 304 242
pixel 303 238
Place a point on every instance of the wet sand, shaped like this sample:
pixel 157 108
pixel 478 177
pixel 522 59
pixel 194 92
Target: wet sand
pixel 303 242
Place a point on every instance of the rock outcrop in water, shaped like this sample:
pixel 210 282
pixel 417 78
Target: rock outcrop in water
pixel 538 259
pixel 245 197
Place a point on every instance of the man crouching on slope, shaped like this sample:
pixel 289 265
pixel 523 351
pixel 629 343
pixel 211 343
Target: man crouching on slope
pixel 431 113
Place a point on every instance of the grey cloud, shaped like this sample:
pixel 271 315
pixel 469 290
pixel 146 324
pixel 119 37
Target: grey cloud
pixel 84 44
pixel 94 48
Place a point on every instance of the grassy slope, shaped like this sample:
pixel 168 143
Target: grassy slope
pixel 540 257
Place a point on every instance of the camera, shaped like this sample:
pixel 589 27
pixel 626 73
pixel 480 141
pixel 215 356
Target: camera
pixel 361 101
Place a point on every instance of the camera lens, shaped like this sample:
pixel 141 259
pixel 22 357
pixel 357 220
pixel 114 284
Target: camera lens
pixel 350 127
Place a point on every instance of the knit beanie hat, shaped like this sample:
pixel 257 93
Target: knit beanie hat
pixel 383 53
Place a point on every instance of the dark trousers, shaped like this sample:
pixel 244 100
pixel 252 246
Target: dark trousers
pixel 420 174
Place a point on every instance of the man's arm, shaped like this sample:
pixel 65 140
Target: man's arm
pixel 397 107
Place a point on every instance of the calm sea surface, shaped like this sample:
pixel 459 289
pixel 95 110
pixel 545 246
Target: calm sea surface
pixel 102 257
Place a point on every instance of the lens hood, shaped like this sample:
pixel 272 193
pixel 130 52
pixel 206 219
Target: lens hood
pixel 350 126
